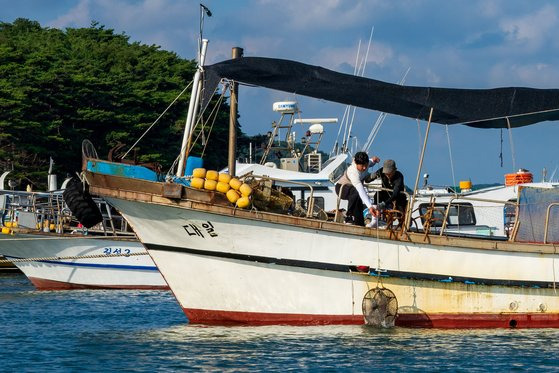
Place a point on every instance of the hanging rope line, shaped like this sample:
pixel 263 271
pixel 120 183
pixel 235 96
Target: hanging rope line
pixel 511 146
pixel 211 117
pixel 450 156
pixel 380 119
pixel 157 120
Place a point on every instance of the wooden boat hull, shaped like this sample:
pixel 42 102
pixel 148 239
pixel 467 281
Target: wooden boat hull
pixel 226 265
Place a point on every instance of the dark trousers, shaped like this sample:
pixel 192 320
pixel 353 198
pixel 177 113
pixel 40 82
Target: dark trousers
pixel 354 205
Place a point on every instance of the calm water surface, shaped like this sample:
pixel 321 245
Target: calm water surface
pixel 146 331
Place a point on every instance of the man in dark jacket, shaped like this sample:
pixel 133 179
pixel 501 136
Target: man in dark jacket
pixel 394 180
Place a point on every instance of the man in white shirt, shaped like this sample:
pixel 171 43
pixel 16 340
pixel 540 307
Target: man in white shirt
pixel 350 187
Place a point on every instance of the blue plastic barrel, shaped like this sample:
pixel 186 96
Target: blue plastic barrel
pixel 192 162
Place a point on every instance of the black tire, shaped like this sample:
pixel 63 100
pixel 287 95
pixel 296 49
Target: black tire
pixel 81 204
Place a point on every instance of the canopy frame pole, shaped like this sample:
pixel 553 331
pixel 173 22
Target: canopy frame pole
pixel 412 202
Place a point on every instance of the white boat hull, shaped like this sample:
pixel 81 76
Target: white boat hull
pixel 227 269
pixel 120 272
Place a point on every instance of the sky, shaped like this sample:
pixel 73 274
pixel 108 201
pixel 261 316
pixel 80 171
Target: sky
pixel 452 43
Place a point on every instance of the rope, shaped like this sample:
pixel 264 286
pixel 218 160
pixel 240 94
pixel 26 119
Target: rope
pixel 511 146
pixel 157 120
pixel 450 155
pixel 214 110
pixel 53 258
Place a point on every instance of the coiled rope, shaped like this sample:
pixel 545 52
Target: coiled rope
pixel 54 258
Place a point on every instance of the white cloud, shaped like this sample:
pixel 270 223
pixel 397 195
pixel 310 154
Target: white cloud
pixel 537 75
pixel 531 30
pixel 302 14
pixel 78 16
pixel 333 58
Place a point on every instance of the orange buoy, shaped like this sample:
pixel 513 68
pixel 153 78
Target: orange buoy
pixel 520 177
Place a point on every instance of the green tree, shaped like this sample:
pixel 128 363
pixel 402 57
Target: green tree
pixel 59 87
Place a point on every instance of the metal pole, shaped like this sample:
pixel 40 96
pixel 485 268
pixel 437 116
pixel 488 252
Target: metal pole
pixel 408 213
pixel 235 53
pixel 192 108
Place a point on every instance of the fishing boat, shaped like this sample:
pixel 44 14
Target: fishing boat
pixel 489 211
pixel 226 264
pixel 45 241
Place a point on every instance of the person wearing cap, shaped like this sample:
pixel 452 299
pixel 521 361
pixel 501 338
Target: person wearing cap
pixel 350 187
pixel 391 179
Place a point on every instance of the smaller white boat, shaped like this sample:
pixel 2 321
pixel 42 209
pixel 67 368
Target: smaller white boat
pixel 42 238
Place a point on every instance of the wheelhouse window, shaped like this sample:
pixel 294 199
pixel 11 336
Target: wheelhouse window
pixel 459 214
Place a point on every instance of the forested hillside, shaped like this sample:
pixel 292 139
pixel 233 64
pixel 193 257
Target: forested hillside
pixel 59 87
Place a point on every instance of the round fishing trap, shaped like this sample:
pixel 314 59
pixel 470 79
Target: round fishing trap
pixel 380 308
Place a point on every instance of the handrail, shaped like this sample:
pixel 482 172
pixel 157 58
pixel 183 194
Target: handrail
pixel 447 211
pixel 548 212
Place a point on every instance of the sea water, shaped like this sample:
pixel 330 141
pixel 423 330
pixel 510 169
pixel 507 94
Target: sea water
pixel 146 331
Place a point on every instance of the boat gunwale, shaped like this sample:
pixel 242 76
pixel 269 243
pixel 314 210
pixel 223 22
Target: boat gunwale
pixel 153 192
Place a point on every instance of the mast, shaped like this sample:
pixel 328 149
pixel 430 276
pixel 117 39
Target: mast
pixel 236 52
pixel 192 108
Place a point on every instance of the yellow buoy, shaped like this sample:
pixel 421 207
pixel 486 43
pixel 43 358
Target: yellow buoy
pixel 224 178
pixel 210 184
pixel 243 202
pixel 245 190
pixel 51 227
pixel 212 175
pixel 5 230
pixel 232 195
pixel 466 184
pixel 199 172
pixel 197 182
pixel 235 183
pixel 222 187
pixel 8 224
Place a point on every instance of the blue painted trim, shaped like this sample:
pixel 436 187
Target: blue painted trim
pixel 93 265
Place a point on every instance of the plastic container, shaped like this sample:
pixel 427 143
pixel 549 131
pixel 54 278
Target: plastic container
pixel 193 163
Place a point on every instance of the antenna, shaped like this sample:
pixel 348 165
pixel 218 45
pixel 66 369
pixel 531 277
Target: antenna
pixel 203 11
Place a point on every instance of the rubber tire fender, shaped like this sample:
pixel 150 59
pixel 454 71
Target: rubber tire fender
pixel 81 204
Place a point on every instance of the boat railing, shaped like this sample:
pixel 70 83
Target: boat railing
pixel 469 199
pixel 372 188
pixel 47 212
pixel 547 214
